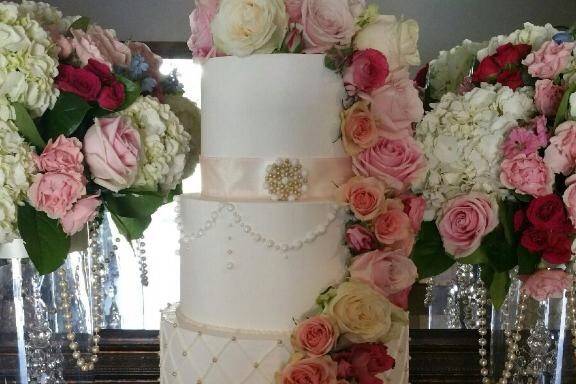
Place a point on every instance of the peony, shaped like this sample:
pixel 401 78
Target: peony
pixel 84 211
pixel 560 156
pixel 464 222
pixel 327 23
pixel 392 226
pixel 387 272
pixel 244 27
pixel 360 239
pixel 102 45
pixel 367 71
pixel 569 198
pixel 521 140
pixel 527 174
pixel 548 97
pixel 395 107
pixel 358 128
pixel 56 192
pixel 398 163
pixel 61 155
pixel 363 315
pixel 547 283
pixel 365 196
pixel 550 60
pixel 315 336
pixel 112 148
pixel 311 370
pixel 200 42
pixel 396 39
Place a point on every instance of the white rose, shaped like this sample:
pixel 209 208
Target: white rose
pixel 398 40
pixel 243 27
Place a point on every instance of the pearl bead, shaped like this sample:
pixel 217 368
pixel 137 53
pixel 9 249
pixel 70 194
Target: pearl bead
pixel 76 355
pixel 73 346
pixel 483 362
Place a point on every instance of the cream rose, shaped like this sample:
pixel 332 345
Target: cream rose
pixel 397 39
pixel 244 27
pixel 363 315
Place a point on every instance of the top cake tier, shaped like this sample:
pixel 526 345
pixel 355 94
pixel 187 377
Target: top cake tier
pixel 263 106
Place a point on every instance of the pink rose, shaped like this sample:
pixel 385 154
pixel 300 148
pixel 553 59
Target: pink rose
pixel 548 97
pixel 61 155
pixel 560 155
pixel 392 226
pixel 316 336
pixel 312 370
pixel 365 196
pixel 112 149
pixel 414 207
pixel 368 71
pixel 395 107
pixel 65 48
pixel 569 198
pixel 360 239
pixel 153 60
pixel 327 23
pixel 201 42
pixel 358 128
pixel 398 163
pixel 549 60
pixel 387 272
pixel 527 174
pixel 102 45
pixel 294 10
pixel 56 192
pixel 84 211
pixel 465 220
pixel 400 299
pixel 545 284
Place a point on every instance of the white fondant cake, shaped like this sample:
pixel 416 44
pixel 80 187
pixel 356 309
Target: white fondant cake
pixel 251 267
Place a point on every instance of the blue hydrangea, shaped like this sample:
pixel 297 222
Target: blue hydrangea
pixel 563 37
pixel 170 84
pixel 138 66
pixel 148 84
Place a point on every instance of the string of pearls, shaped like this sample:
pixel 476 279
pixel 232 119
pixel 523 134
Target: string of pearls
pixel 85 364
pixel 513 338
pixel 229 208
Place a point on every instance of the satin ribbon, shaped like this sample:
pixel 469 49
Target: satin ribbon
pixel 243 178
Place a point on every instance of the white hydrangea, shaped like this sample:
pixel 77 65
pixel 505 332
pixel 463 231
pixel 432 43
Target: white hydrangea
pixel 451 67
pixel 535 35
pixel 45 14
pixel 28 61
pixel 16 170
pixel 462 137
pixel 165 144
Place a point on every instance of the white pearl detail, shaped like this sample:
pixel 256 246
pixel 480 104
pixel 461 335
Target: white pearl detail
pixel 230 265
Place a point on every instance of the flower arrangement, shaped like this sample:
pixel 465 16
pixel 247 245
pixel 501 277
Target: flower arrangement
pixel 498 140
pixel 83 128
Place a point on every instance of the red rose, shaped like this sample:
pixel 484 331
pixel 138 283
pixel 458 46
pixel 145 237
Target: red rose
pixel 112 97
pixel 558 250
pixel 421 77
pixel 78 81
pixel 511 78
pixel 510 54
pixel 519 219
pixel 101 70
pixel 487 71
pixel 534 240
pixel 548 213
pixel 368 71
pixel 363 362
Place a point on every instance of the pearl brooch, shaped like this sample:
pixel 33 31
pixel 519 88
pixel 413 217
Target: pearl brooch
pixel 285 180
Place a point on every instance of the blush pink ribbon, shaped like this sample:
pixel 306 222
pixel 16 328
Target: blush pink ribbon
pixel 243 178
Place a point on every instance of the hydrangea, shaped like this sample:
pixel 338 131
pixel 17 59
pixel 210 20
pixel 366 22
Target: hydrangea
pixel 535 35
pixel 16 170
pixel 28 62
pixel 45 14
pixel 451 67
pixel 165 144
pixel 462 138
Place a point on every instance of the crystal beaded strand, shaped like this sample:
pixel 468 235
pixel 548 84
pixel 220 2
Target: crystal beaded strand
pixel 140 248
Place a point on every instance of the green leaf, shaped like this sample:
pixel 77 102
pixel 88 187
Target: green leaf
pixel 131 228
pixel 501 254
pixel 499 288
pixel 132 90
pixel 66 116
pixel 45 241
pixel 522 198
pixel 82 23
pixel 173 193
pixel 429 254
pixel 506 211
pixel 27 128
pixel 133 205
pixel 477 257
pixel 527 261
pixel 563 108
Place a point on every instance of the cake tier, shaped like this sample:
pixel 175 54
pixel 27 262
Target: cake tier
pixel 257 265
pixel 191 353
pixel 269 106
